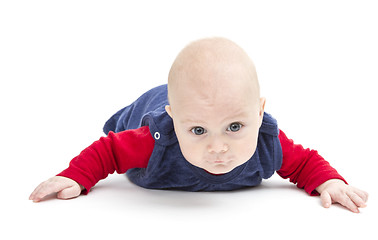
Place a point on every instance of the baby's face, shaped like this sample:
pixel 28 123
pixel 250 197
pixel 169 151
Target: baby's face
pixel 217 133
pixel 215 105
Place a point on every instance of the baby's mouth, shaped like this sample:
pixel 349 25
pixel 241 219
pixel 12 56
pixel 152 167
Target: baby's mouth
pixel 220 160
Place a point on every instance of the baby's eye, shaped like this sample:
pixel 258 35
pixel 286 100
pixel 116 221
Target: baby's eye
pixel 234 127
pixel 198 130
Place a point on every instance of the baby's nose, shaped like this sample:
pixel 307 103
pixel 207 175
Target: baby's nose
pixel 217 146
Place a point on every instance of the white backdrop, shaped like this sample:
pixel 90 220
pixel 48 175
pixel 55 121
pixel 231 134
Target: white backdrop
pixel 67 66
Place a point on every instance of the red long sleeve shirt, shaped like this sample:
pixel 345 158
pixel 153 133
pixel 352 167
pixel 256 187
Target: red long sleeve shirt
pixel 132 149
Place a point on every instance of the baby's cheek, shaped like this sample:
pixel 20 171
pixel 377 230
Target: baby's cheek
pixel 191 153
pixel 247 149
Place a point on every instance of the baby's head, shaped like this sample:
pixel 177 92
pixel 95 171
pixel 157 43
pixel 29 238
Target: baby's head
pixel 215 104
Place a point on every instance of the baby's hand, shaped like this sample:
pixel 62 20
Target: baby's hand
pixel 336 191
pixel 64 187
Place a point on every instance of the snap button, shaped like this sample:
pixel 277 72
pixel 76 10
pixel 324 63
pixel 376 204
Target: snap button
pixel 157 135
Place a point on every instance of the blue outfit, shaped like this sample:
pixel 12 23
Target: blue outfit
pixel 167 167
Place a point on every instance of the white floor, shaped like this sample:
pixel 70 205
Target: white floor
pixel 66 67
pixel 116 208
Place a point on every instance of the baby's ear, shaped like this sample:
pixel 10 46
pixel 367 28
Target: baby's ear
pixel 168 110
pixel 262 108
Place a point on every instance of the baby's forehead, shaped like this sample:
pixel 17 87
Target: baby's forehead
pixel 212 69
pixel 217 115
pixel 220 104
pixel 217 89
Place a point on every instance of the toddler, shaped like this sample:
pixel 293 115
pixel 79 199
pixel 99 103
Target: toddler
pixel 206 130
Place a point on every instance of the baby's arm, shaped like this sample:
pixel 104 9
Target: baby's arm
pixel 116 152
pixel 310 171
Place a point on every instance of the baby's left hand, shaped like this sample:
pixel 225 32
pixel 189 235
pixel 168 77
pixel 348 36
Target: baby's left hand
pixel 336 191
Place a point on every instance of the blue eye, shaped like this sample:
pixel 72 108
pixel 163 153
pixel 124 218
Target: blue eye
pixel 234 127
pixel 198 130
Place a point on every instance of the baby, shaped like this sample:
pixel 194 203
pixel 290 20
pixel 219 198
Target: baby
pixel 204 131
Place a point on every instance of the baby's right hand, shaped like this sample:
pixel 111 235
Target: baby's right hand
pixel 64 187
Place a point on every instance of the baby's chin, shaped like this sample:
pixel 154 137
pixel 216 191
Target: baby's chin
pixel 219 169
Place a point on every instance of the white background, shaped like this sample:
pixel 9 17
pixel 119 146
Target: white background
pixel 67 66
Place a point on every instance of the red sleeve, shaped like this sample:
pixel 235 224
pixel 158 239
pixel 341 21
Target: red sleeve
pixel 304 167
pixel 116 152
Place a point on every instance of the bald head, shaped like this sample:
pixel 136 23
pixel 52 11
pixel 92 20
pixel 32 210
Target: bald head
pixel 209 66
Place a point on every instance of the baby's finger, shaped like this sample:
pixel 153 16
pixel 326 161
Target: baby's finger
pixel 358 201
pixel 348 203
pixel 326 199
pixel 45 189
pixel 32 194
pixel 39 193
pixel 35 192
pixel 362 194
